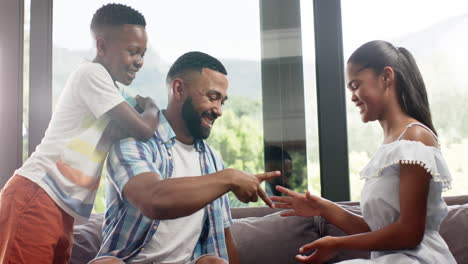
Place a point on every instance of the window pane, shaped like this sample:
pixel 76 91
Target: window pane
pixel 437 38
pixel 310 95
pixel 288 91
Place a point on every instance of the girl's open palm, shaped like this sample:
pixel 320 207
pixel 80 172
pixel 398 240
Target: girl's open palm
pixel 325 249
pixel 300 204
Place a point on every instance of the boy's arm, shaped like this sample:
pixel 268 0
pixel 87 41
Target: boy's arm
pixel 140 126
pixel 97 91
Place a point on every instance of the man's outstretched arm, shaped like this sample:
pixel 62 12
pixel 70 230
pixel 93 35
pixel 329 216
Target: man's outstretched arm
pixel 178 197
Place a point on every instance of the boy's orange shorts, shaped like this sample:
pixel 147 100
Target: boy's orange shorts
pixel 33 229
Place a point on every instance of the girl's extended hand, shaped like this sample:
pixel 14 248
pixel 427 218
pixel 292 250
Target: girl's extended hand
pixel 325 249
pixel 300 204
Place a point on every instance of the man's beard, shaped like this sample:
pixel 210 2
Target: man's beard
pixel 193 120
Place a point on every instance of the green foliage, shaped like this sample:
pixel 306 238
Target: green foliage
pixel 237 135
pixel 238 138
pixel 298 181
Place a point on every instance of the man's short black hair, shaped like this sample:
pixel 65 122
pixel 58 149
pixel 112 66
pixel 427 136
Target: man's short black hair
pixel 275 153
pixel 194 61
pixel 116 15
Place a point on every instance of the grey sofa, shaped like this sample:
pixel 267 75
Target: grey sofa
pixel 262 236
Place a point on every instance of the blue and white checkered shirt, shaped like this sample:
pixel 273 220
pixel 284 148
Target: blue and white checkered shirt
pixel 126 230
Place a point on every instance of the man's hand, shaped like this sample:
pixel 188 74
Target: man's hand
pixel 247 186
pixel 325 249
pixel 298 203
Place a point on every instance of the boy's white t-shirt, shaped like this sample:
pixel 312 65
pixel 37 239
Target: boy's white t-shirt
pixel 68 162
pixel 175 239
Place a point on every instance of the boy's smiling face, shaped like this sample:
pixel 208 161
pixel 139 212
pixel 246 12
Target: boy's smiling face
pixel 121 50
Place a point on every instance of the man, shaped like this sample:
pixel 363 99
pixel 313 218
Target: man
pixel 167 199
pixel 277 159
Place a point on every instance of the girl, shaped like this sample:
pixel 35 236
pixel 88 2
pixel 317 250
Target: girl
pixel 402 206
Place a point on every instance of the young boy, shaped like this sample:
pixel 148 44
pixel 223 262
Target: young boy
pixel 57 185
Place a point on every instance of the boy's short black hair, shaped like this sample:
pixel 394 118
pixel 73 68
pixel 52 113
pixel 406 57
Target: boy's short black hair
pixel 115 15
pixel 194 61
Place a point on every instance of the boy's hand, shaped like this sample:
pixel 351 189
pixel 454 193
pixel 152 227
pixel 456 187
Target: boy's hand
pixel 298 203
pixel 143 103
pixel 77 176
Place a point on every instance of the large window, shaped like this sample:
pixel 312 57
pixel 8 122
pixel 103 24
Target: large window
pixel 435 33
pixel 269 49
pixel 246 36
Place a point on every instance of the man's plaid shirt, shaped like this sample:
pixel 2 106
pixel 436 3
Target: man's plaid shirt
pixel 126 230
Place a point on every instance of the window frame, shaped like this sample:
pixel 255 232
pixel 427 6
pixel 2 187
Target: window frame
pixel 40 71
pixel 331 100
pixel 11 87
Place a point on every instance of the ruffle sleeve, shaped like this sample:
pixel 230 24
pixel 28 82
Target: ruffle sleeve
pixel 409 152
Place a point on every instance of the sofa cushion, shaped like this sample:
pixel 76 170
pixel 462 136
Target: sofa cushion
pixel 273 238
pixel 244 212
pixel 88 239
pixel 454 230
pixel 459 199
